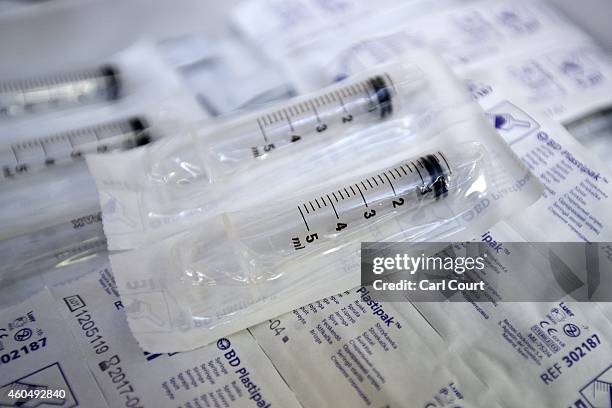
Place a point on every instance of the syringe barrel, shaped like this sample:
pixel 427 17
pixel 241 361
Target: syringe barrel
pixel 262 239
pixel 29 156
pixel 362 100
pixel 60 91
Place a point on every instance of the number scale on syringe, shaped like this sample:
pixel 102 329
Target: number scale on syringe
pixel 58 91
pixel 357 204
pixel 286 229
pixel 363 101
pixel 38 154
pixel 316 115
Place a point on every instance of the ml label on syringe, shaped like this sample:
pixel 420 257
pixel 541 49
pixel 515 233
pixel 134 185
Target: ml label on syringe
pixel 404 185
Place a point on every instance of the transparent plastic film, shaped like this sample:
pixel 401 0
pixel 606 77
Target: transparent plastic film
pixel 229 239
pixel 35 155
pixel 390 91
pixel 61 91
pixel 257 242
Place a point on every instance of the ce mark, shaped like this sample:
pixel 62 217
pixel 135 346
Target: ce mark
pixel 550 330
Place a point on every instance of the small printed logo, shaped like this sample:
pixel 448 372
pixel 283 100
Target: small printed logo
pixel 505 121
pixel 74 302
pixel 557 315
pixel 542 136
pixel 18 322
pixel 23 334
pixel 223 344
pixel 512 123
pixel 571 330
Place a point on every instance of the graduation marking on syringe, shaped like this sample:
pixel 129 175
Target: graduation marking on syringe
pixel 411 189
pixel 362 197
pixel 391 184
pixel 415 167
pixel 42 146
pixel 288 120
pixel 14 154
pixel 445 162
pixel 304 218
pixel 263 133
pixel 333 206
pixel 315 112
pixel 341 103
pixel 314 109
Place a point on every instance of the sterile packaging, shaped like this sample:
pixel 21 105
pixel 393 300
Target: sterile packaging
pixel 161 189
pixel 59 294
pixel 577 183
pixel 225 74
pixel 234 251
pixel 43 358
pixel 44 179
pixel 368 353
pixel 529 47
pixel 290 24
pixel 541 353
pixel 501 341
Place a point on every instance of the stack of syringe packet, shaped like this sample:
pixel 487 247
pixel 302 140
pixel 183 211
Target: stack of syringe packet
pixel 170 241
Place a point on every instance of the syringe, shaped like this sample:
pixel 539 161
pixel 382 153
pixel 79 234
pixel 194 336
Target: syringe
pixel 365 99
pixel 258 241
pixel 60 91
pixel 37 154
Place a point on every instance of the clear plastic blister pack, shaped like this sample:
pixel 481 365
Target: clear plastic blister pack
pixel 255 245
pixel 193 174
pixel 43 179
pixel 242 241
